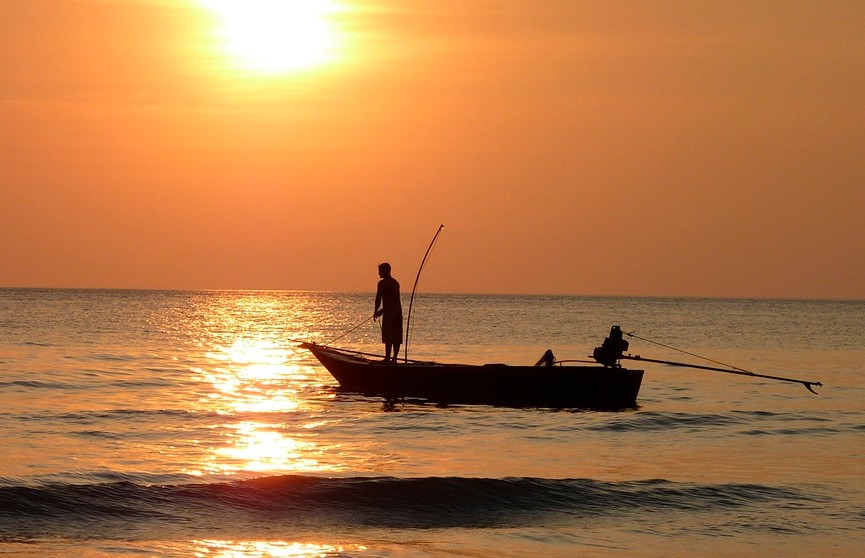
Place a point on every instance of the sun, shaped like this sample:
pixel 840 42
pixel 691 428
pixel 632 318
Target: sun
pixel 277 36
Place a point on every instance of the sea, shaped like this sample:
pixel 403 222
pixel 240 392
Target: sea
pixel 191 423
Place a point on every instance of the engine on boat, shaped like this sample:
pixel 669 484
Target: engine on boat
pixel 611 349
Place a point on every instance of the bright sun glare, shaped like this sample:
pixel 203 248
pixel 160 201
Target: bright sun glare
pixel 277 36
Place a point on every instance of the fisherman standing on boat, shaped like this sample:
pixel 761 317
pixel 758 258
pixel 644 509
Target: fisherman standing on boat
pixel 389 307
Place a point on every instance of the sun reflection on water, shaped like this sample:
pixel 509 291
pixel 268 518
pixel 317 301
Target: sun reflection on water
pixel 269 549
pixel 259 449
pixel 264 394
pixel 253 377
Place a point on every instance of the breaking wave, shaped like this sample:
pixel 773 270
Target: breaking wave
pixel 316 503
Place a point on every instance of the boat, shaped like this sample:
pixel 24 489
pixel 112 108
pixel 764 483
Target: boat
pixel 603 384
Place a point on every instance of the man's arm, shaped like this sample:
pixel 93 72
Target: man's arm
pixel 376 312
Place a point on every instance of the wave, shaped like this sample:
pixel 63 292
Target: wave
pixel 381 502
pixel 750 423
pixel 36 384
pixel 652 420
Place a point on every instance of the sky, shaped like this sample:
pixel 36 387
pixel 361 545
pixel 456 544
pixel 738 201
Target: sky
pixel 648 148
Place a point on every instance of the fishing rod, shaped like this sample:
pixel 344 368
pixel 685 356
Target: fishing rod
pixel 414 288
pixel 729 370
pixel 352 329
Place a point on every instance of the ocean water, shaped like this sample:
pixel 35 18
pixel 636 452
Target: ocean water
pixel 146 423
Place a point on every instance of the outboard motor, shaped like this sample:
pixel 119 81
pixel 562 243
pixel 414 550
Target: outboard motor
pixel 612 348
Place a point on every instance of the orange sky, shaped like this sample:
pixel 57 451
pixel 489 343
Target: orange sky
pixel 643 147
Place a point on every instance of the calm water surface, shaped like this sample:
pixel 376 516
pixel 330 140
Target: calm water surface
pixel 142 423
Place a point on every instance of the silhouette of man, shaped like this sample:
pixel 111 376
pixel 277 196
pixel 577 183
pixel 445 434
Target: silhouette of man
pixel 389 307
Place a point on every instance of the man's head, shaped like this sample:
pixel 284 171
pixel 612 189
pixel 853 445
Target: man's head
pixel 384 269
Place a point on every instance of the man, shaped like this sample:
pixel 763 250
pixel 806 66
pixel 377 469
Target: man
pixel 388 306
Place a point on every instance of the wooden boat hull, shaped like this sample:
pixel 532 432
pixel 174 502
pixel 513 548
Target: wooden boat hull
pixel 591 387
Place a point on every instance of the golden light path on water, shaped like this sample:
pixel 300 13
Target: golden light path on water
pixel 269 549
pixel 253 374
pixel 269 402
pixel 256 378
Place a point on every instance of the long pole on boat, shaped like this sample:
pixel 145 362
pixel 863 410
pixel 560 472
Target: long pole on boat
pixel 414 288
pixel 730 369
pixel 741 372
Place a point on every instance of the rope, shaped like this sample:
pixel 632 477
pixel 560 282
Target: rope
pixel 632 334
pixel 350 330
